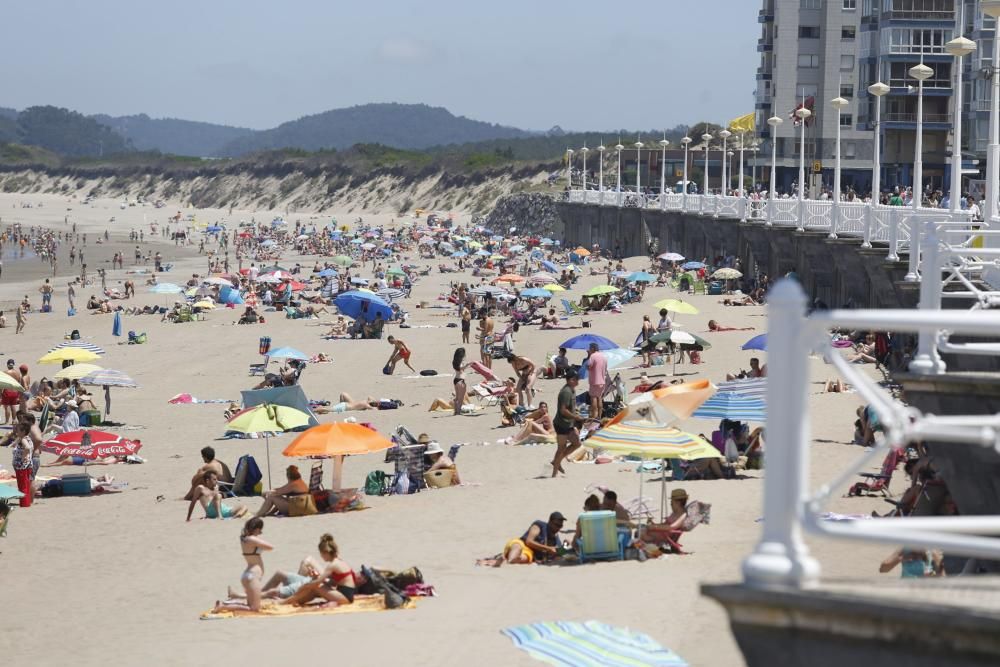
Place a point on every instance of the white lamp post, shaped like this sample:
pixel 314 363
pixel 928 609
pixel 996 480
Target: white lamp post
pixel 707 138
pixel 802 114
pixel 638 167
pixel 618 187
pixel 740 184
pixel 600 167
pixel 569 168
pixel 754 178
pixel 774 122
pixel 920 72
pixel 838 103
pixel 585 150
pixel 725 134
pixel 959 48
pixel 663 166
pixel 878 90
pixel 686 141
pixel 992 8
pixel 729 169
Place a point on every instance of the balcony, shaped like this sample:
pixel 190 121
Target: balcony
pixel 765 45
pixel 919 15
pixel 766 15
pixel 764 75
pixel 980 105
pixel 912 118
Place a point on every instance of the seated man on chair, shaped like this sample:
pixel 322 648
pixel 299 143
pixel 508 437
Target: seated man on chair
pixel 211 465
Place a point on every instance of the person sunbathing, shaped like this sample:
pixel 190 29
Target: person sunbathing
pixel 864 352
pixel 447 404
pixel 339 329
pixel 537 424
pixel 335 583
pixel 207 493
pixel 540 542
pixel 835 386
pixel 436 459
pixel 740 301
pixel 276 501
pixel 211 464
pixel 715 326
pixel 347 403
pixel 284 584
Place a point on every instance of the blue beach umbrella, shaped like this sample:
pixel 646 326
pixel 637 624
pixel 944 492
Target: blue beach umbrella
pixel 214 229
pixel 726 405
pixel 288 353
pixel 641 277
pixel 583 341
pixel 550 266
pixel 547 241
pixel 327 273
pixel 365 305
pixel 536 292
pixel 460 253
pixel 228 295
pixel 166 288
pixel 758 342
pixel 692 265
pixel 483 253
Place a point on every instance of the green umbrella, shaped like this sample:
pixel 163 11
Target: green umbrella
pixel 600 290
pixel 395 271
pixel 343 260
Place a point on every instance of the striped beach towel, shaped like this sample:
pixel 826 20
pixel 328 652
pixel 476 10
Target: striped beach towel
pixel 591 643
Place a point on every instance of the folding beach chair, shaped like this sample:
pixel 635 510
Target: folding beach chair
pixel 316 477
pixel 878 483
pixel 699 286
pixel 600 537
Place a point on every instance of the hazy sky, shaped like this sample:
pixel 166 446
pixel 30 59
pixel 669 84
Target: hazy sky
pixel 582 65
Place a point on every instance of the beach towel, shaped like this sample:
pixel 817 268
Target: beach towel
pixel 361 603
pixel 188 399
pixel 590 643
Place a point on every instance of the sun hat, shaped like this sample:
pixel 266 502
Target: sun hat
pixel 678 494
pixel 423 439
pixel 434 448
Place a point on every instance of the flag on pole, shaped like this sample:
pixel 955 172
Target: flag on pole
pixel 743 124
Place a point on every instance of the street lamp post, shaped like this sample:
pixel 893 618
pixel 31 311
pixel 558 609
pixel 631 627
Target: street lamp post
pixel 959 48
pixel 569 169
pixel 992 8
pixel 920 72
pixel 838 103
pixel 725 134
pixel 774 122
pixel 663 167
pixel 740 184
pixel 802 113
pixel 600 169
pixel 638 167
pixel 729 168
pixel 618 187
pixel 707 138
pixel 878 90
pixel 585 150
pixel 686 141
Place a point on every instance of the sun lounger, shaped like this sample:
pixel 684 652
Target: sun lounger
pixel 600 537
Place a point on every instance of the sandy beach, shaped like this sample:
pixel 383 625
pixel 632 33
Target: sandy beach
pixel 135 577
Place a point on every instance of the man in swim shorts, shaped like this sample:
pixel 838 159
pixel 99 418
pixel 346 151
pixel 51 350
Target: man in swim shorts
pixel 539 542
pixel 399 352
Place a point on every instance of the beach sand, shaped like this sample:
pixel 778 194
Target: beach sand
pixel 122 578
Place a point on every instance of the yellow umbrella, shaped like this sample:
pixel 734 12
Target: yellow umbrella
pixel 268 418
pixel 74 354
pixel 7 382
pixel 76 371
pixel 552 287
pixel 676 306
pixel 205 304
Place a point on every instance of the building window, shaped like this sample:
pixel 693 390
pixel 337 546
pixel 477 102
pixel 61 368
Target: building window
pixel 847 63
pixel 915 41
pixel 811 4
pixel 847 32
pixel 846 120
pixel 809 61
pixel 939 10
pixel 850 5
pixel 806 90
pixel 850 150
pixel 846 90
pixel 808 32
pixel 899 76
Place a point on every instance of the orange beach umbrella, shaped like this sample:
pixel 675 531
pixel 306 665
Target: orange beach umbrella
pixel 337 441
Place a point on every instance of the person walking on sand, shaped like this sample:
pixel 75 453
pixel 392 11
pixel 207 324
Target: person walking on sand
pixel 597 371
pixel 46 290
pixel 21 319
pixel 399 352
pixel 565 421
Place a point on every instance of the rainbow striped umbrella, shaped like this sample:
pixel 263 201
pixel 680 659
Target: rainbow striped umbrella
pixel 590 643
pixel 727 405
pixel 651 441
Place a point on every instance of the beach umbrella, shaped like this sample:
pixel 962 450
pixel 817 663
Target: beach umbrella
pixel 483 253
pixel 671 257
pixel 474 244
pixel 758 342
pixel 337 441
pixel 581 252
pixel 600 290
pixel 693 265
pixel 267 279
pixel 583 341
pixel 327 273
pixel 620 274
pixel 641 277
pixel 517 248
pixel 554 287
pixel 116 326
pixel 288 353
pixel 76 371
pixel 395 271
pixel 542 277
pixel 367 246
pixel 460 253
pixel 80 344
pixel 509 278
pixel 676 306
pixel 753 388
pixel 74 354
pixel 359 281
pixel 108 378
pixel 590 644
pixel 279 274
pixel 214 229
pixel 204 305
pixel 166 288
pixel 356 304
pixel 496 258
pixel 7 382
pixel 679 400
pixel 488 290
pixel 550 266
pixel 342 260
pixel 547 241
pixel 215 280
pixel 727 274
pixel 357 241
pixel 725 405
pixel 91 444
pixel 268 418
pixel 391 293
pixel 536 293
pixel 673 336
pixel 618 356
pixel 649 440
pixel 228 295
pixel 269 243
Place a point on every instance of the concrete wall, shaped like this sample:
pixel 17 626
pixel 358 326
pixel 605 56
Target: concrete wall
pixel 839 272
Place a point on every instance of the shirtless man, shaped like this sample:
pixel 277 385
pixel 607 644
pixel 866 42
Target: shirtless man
pixel 212 464
pixel 525 369
pixel 399 352
pixel 485 337
pixel 11 398
pixel 208 494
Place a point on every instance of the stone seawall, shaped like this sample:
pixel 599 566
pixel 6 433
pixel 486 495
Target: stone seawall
pixel 838 271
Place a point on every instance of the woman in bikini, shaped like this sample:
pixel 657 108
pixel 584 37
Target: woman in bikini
pixel 459 365
pixel 252 545
pixel 336 583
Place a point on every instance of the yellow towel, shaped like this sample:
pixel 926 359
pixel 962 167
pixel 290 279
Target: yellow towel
pixel 274 608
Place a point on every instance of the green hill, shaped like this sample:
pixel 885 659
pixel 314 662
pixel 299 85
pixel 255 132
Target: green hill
pixel 172 135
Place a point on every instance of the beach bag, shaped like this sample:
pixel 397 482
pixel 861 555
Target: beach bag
pixel 386 370
pixel 248 477
pixel 301 505
pixel 70 312
pixel 402 485
pixel 75 334
pixel 375 483
pixel 732 452
pixel 389 404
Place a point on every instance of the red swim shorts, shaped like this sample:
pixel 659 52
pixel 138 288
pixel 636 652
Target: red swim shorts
pixel 10 397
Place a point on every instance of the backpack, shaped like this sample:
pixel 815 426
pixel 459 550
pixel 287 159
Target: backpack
pixel 247 478
pixel 75 334
pixel 376 483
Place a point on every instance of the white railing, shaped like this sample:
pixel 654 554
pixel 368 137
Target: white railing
pixel 893 226
pixel 781 557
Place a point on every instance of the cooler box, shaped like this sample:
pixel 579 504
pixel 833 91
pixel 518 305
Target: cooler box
pixel 90 418
pixel 76 484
